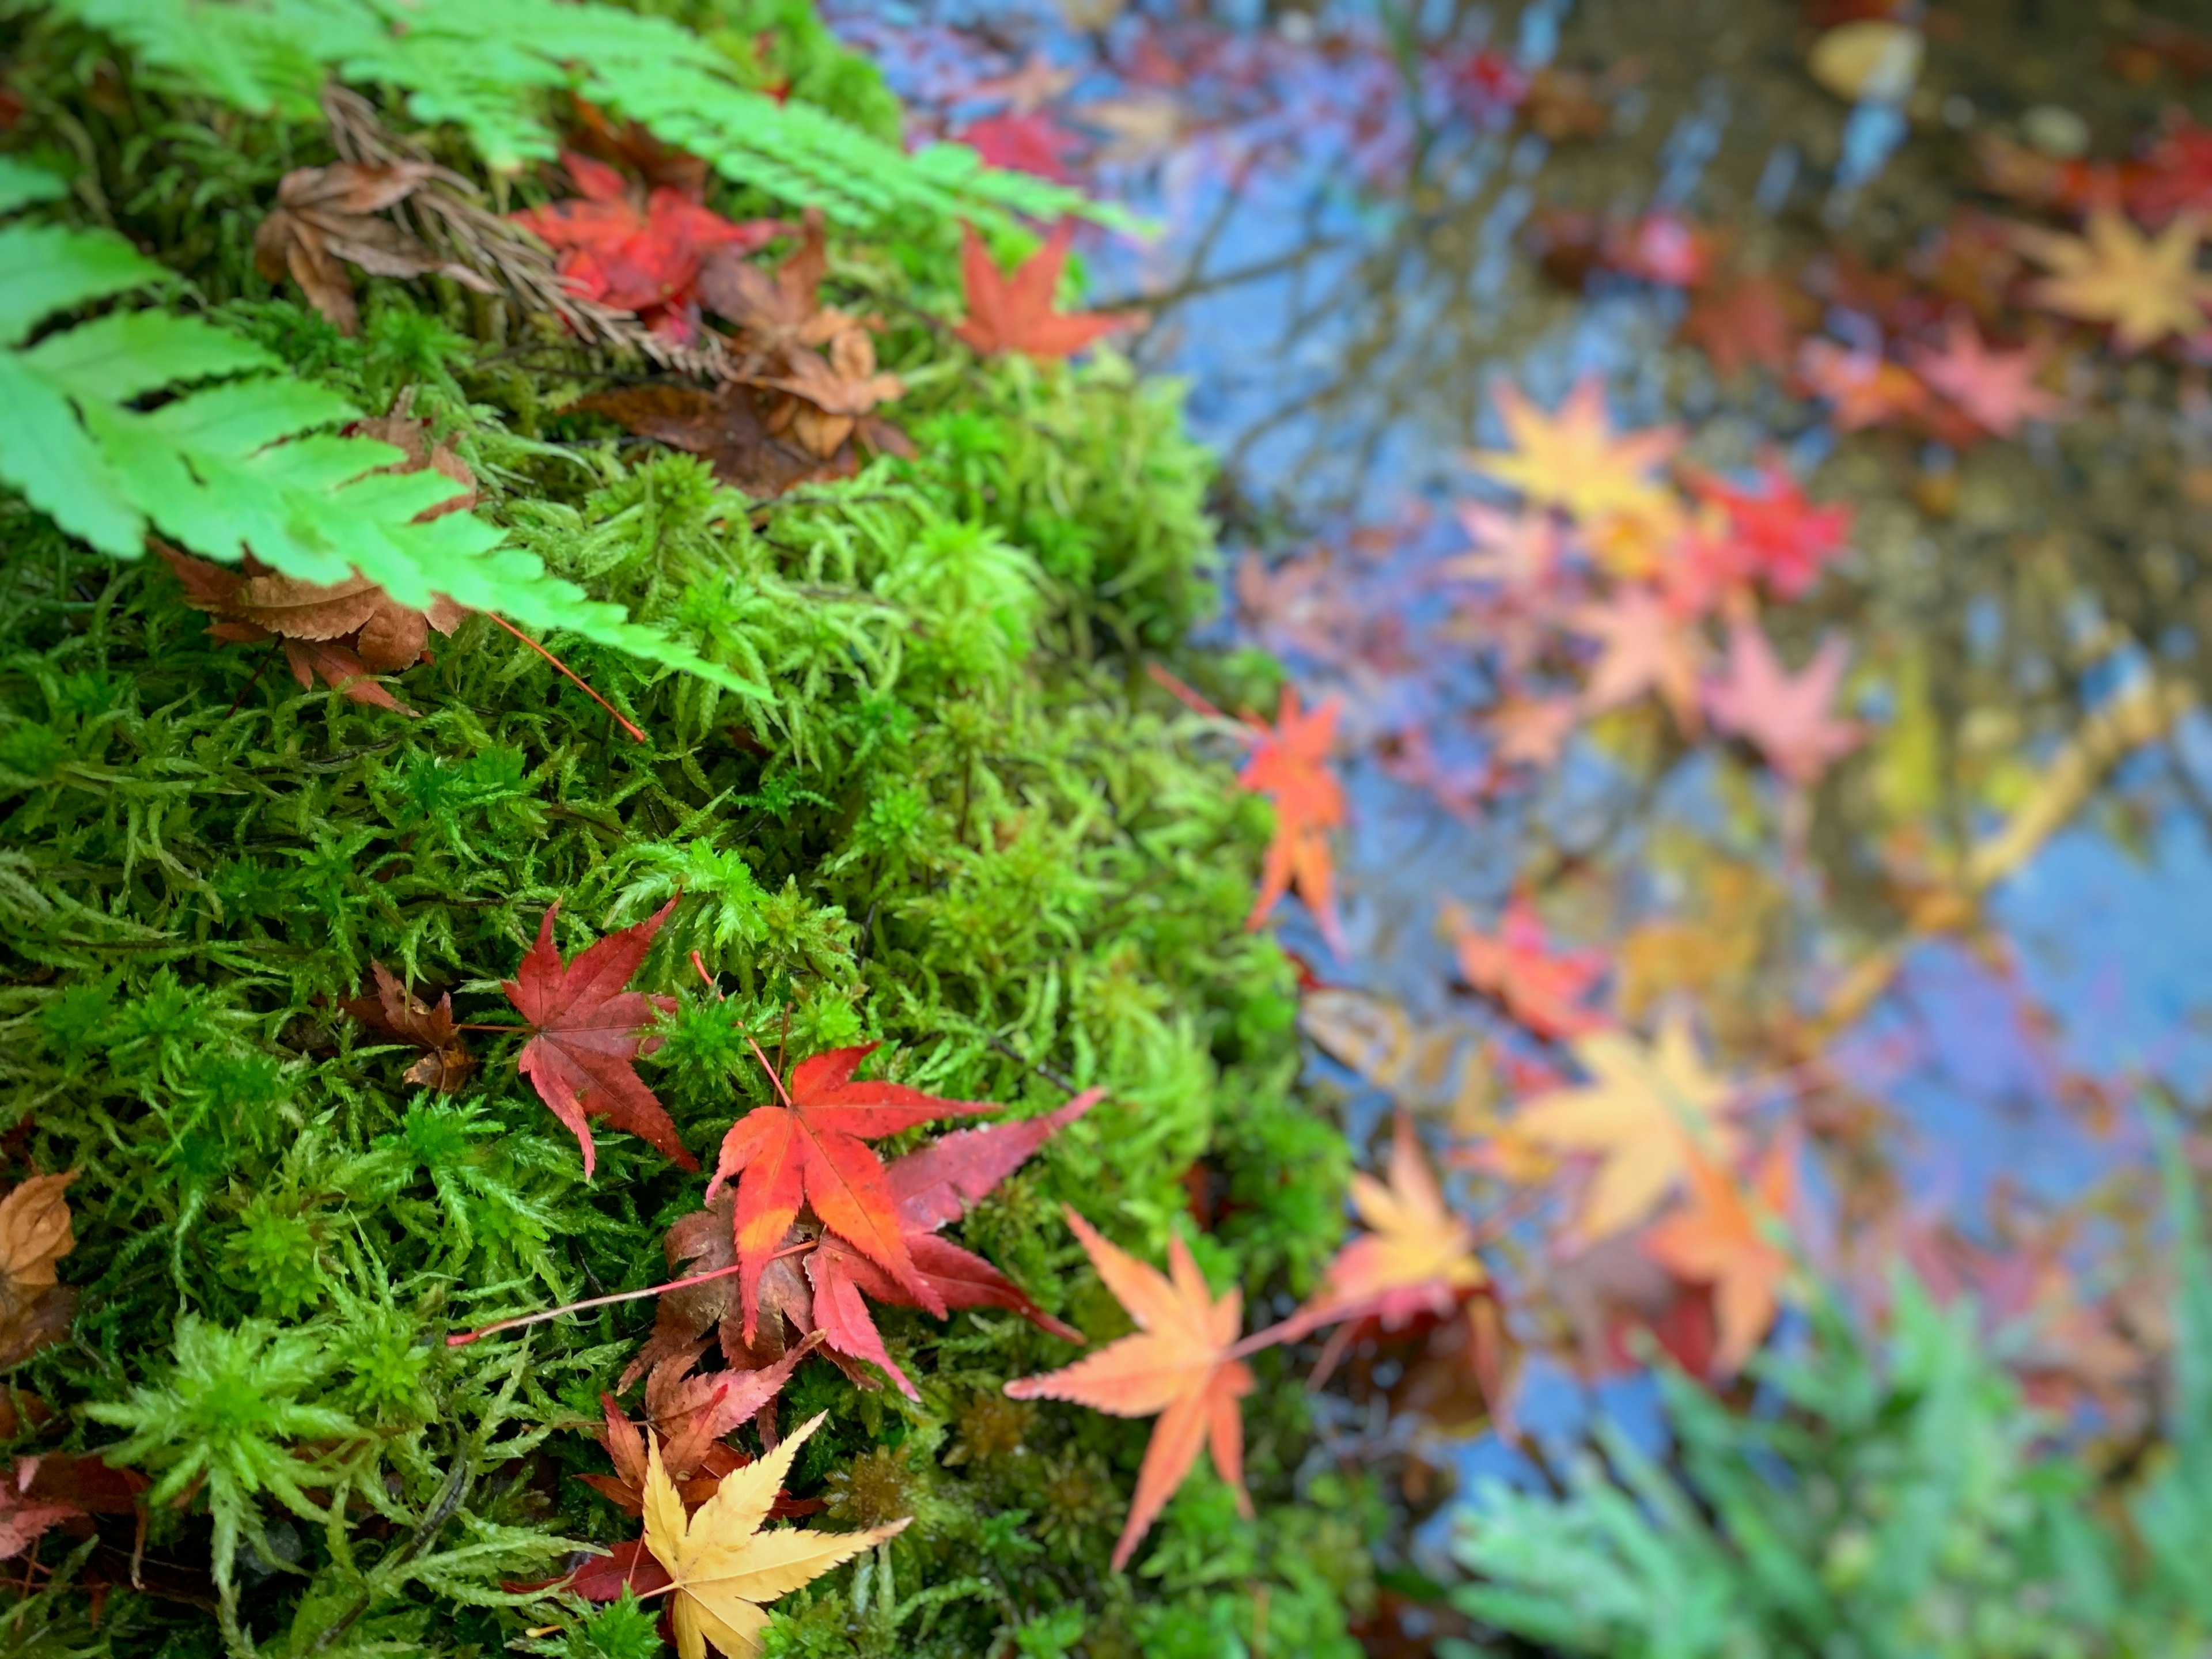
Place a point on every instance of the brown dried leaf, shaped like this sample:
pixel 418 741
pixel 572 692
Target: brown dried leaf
pixel 34 1233
pixel 395 1010
pixel 322 221
pixel 729 428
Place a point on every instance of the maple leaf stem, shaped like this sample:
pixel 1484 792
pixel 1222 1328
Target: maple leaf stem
pixel 636 734
pixel 777 1081
pixel 492 1028
pixel 462 1339
pixel 1183 694
pixel 267 657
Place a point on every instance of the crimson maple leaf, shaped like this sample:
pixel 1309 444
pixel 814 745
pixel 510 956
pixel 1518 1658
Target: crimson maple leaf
pixel 812 1149
pixel 1776 534
pixel 642 259
pixel 1026 141
pixel 1015 313
pixel 932 1186
pixel 586 1032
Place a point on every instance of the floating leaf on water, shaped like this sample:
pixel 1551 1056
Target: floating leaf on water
pixel 1873 61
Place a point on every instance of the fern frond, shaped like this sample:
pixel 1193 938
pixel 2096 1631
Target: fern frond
pixel 242 456
pixel 488 67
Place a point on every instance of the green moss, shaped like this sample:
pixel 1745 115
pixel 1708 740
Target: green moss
pixel 956 824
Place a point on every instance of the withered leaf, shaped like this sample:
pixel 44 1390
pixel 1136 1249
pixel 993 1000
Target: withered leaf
pixel 729 428
pixel 393 1009
pixel 35 1309
pixel 324 221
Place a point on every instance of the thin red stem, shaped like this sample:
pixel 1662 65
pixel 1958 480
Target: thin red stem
pixel 1182 694
pixel 462 1339
pixel 636 734
pixel 771 1070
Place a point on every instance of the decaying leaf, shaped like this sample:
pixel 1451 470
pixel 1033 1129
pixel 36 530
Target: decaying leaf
pixel 35 1308
pixel 1177 1367
pixel 729 428
pixel 325 219
pixel 722 1568
pixel 347 632
pixel 390 1007
pixel 1432 1070
pixel 587 1031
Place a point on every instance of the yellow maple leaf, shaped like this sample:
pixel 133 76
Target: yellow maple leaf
pixel 2146 287
pixel 1645 1112
pixel 723 1567
pixel 1574 460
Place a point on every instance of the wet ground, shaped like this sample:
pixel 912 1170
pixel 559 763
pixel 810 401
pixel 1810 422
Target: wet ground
pixel 1369 221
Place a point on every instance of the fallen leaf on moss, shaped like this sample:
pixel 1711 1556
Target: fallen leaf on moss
pixel 1178 1366
pixel 722 1567
pixel 343 633
pixel 638 250
pixel 812 1149
pixel 324 219
pixel 586 1033
pixel 1015 313
pixel 392 1008
pixel 730 428
pixel 35 1308
pixel 932 1185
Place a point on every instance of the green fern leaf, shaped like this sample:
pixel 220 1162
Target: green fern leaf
pixel 239 463
pixel 488 67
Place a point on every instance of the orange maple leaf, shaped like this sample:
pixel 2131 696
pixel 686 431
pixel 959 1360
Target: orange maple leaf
pixel 1289 765
pixel 1015 313
pixel 1721 1239
pixel 1417 1256
pixel 1575 461
pixel 1542 990
pixel 1178 1365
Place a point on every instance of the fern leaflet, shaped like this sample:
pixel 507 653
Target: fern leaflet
pixel 488 67
pixel 242 456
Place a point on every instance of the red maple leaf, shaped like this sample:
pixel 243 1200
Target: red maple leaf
pixel 1788 720
pixel 1776 534
pixel 1015 313
pixel 586 1032
pixel 932 1186
pixel 1027 142
pixel 642 258
pixel 812 1149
